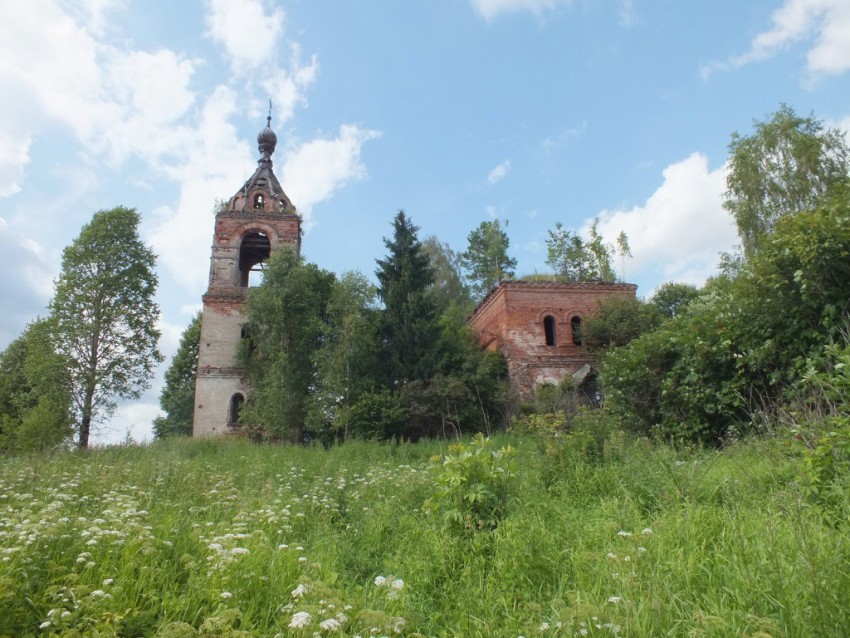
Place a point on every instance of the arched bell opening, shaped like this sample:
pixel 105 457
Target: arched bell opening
pixel 255 250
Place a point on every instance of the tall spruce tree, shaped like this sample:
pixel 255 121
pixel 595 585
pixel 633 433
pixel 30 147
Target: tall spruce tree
pixel 104 316
pixel 408 328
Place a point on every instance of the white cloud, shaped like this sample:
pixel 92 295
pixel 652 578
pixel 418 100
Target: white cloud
pixel 681 229
pixel 27 281
pixel 499 172
pixel 287 87
pixel 246 30
pixel 490 9
pixel 315 170
pixel 220 162
pixel 824 22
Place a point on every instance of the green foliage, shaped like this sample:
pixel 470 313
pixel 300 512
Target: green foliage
pixel 619 320
pixel 575 259
pixel 177 398
pixel 787 166
pixel 827 384
pixel 744 344
pixel 104 316
pixel 407 329
pixel 286 318
pixel 347 360
pixel 376 415
pixel 486 257
pixel 475 485
pixel 449 287
pixel 35 406
pixel 672 299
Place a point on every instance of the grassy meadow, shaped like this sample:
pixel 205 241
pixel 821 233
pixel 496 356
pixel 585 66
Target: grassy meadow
pixel 224 538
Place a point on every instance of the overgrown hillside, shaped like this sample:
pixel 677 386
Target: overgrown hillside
pixel 567 537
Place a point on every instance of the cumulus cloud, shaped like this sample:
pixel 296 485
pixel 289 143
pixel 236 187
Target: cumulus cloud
pixel 248 30
pixel 679 232
pixel 27 280
pixel 499 172
pixel 316 169
pixel 287 86
pixel 824 23
pixel 490 9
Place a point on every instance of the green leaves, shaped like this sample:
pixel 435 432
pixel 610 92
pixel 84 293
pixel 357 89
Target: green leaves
pixel 576 259
pixel 788 165
pixel 486 257
pixel 177 398
pixel 475 484
pixel 104 315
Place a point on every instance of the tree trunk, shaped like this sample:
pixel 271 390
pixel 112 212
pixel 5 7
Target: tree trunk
pixel 85 421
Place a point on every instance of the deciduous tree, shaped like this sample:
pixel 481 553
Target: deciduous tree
pixel 104 316
pixel 786 166
pixel 35 405
pixel 285 325
pixel 449 286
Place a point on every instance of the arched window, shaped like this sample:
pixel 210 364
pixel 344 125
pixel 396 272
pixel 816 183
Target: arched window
pixel 576 326
pixel 549 330
pixel 255 249
pixel 236 403
pixel 259 201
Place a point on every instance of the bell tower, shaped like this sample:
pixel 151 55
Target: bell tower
pixel 257 220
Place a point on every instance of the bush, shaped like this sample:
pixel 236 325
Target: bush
pixel 475 485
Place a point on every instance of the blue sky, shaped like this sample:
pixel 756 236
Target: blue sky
pixel 532 111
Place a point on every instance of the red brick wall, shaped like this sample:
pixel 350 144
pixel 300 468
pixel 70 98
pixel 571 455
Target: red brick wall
pixel 511 318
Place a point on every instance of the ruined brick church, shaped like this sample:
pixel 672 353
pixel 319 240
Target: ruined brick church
pixel 536 325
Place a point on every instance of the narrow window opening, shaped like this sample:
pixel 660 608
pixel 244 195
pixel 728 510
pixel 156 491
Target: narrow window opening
pixel 236 403
pixel 549 330
pixel 259 201
pixel 576 326
pixel 255 249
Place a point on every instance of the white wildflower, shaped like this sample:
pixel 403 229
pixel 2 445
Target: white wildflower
pixel 646 530
pixel 299 620
pixel 108 582
pixel 226 595
pixel 615 599
pixel 239 550
pixel 45 624
pixel 624 533
pixel 380 581
pixel 544 626
pixel 330 624
pixel 398 583
pixel 299 591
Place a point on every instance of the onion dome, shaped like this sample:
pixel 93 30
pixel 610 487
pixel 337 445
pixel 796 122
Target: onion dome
pixel 266 141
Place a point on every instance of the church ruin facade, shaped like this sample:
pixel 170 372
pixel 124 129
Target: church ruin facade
pixel 537 327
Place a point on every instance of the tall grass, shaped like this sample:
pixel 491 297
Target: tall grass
pixel 224 538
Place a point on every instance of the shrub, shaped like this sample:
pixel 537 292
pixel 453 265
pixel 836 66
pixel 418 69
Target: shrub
pixel 475 485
